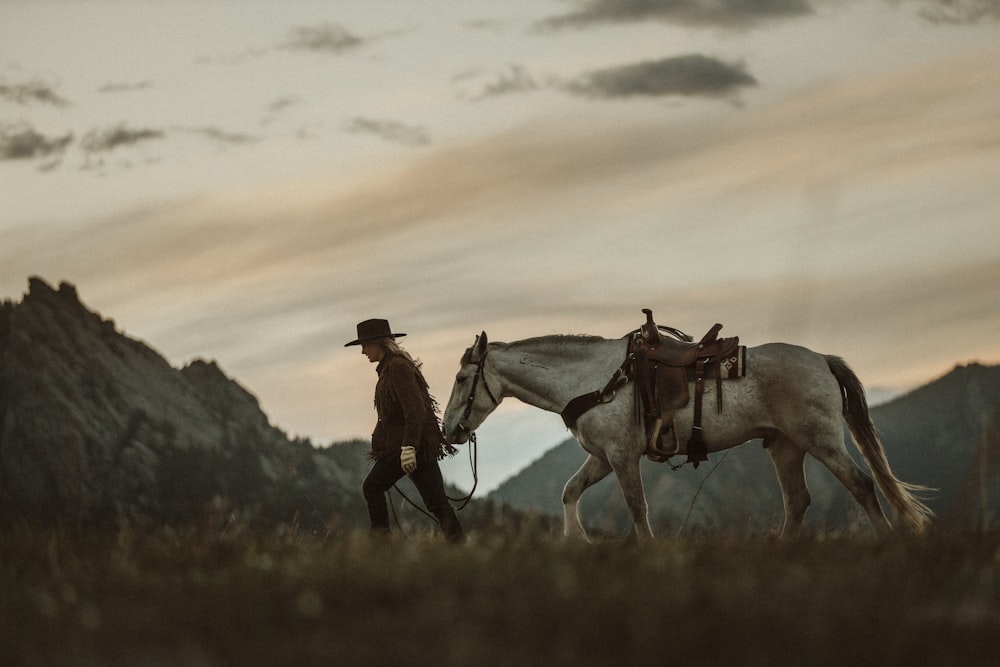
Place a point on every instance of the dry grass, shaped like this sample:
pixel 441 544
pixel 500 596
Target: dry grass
pixel 526 598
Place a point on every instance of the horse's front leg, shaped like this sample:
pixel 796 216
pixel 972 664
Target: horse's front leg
pixel 630 481
pixel 593 470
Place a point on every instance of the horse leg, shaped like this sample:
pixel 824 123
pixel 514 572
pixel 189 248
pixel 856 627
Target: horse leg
pixel 789 459
pixel 593 470
pixel 630 481
pixel 832 453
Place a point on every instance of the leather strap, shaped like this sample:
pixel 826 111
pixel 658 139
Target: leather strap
pixel 696 450
pixel 581 404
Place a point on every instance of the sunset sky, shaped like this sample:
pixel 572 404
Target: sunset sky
pixel 245 181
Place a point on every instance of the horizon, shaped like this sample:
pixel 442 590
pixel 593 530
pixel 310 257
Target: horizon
pixel 515 436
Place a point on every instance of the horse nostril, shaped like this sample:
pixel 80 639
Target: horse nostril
pixel 457 435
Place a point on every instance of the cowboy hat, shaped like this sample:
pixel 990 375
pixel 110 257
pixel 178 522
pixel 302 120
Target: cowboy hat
pixel 372 329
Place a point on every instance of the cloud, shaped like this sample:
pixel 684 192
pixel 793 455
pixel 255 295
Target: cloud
pixel 277 108
pixel 704 13
pixel 221 136
pixel 281 104
pixel 692 74
pixel 515 79
pixel 399 133
pixel 108 139
pixel 959 12
pixel 20 141
pixel 31 92
pixel 740 14
pixel 124 87
pixel 325 38
pixel 235 58
pixel 571 225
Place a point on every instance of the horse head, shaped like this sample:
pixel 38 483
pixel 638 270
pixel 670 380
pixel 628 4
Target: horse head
pixel 472 399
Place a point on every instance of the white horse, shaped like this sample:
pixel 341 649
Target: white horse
pixel 793 398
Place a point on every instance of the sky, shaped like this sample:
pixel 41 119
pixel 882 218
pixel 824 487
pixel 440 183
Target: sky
pixel 245 181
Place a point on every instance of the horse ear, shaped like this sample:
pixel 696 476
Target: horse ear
pixel 481 344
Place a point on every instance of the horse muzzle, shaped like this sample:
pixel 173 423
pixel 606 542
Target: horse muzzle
pixel 459 435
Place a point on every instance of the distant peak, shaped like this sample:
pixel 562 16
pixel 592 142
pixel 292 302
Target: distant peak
pixel 205 366
pixel 68 290
pixel 39 287
pixel 972 365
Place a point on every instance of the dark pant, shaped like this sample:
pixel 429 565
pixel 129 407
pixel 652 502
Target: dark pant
pixel 427 478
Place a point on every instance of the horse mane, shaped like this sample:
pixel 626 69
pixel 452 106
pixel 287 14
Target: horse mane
pixel 552 340
pixel 556 339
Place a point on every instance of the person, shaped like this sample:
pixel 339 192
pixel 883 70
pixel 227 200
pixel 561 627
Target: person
pixel 407 438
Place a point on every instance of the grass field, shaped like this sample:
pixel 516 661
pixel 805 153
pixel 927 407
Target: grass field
pixel 524 597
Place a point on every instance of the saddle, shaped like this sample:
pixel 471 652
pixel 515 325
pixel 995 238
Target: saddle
pixel 664 365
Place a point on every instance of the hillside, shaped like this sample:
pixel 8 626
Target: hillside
pixel 936 436
pixel 98 428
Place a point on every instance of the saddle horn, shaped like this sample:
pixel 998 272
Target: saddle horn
pixel 650 332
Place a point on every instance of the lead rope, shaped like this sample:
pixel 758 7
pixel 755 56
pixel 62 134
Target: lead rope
pixel 473 464
pixel 413 504
pixel 697 492
pixel 473 450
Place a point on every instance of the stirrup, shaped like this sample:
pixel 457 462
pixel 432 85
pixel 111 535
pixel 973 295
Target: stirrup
pixel 653 451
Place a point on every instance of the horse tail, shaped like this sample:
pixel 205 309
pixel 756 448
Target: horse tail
pixel 901 496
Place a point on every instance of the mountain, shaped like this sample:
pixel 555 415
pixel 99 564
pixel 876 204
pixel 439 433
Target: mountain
pixel 945 435
pixel 98 428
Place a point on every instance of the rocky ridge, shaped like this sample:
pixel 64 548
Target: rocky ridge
pixel 98 427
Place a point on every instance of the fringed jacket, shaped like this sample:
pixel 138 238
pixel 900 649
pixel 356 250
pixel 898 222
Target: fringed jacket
pixel 406 412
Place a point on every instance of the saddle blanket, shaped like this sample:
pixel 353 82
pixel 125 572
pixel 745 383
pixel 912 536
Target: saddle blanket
pixel 732 367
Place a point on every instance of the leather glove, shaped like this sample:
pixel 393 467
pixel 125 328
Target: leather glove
pixel 408 459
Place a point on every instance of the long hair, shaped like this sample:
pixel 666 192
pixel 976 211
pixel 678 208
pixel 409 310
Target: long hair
pixel 392 346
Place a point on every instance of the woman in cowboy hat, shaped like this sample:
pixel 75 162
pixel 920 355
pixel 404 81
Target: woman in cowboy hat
pixel 407 437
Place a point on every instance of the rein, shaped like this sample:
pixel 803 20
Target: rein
pixel 474 465
pixel 470 401
pixel 473 443
pixel 473 462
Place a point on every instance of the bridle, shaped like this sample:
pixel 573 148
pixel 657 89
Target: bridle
pixel 463 424
pixel 480 375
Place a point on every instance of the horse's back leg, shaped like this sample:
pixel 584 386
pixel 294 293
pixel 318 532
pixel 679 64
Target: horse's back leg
pixel 593 470
pixel 831 452
pixel 789 461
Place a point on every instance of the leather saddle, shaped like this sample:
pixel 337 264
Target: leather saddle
pixel 664 366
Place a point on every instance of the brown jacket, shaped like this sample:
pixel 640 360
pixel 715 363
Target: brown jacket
pixel 405 412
